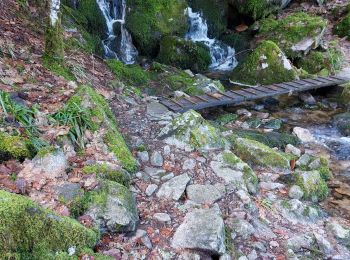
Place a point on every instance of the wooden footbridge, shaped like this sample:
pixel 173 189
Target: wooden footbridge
pixel 233 97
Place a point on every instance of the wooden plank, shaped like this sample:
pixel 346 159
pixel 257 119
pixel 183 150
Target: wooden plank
pixel 250 90
pixel 189 100
pixel 240 94
pixel 201 98
pixel 212 96
pixel 312 82
pixel 281 85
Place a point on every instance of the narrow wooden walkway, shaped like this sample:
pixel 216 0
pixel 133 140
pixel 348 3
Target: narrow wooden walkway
pixel 233 97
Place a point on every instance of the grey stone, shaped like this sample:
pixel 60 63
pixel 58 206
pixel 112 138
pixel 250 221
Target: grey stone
pixel 295 192
pixel 118 213
pixel 338 231
pixel 262 230
pixel 162 217
pixel 243 228
pixel 143 156
pixel 307 98
pixel 252 255
pixel 168 176
pixel 304 160
pixel 153 172
pixel 68 191
pixel 315 164
pixel 189 164
pixel 303 134
pixel 271 185
pixel 244 196
pixel 155 110
pixel 174 188
pixel 260 246
pixel 151 189
pixel 157 159
pixel 225 257
pixel 299 242
pixel 293 150
pixel 202 229
pixel 203 194
pixel 323 244
pixel 166 150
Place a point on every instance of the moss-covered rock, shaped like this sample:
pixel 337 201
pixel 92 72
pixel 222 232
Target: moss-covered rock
pixel 149 21
pixel 191 131
pixel 271 139
pixel 316 61
pixel 345 94
pixel 31 232
pixel 312 184
pixel 295 34
pixel 343 27
pixel 214 12
pixel 257 153
pixel 342 122
pixel 13 147
pixel 88 110
pixel 267 64
pixel 184 54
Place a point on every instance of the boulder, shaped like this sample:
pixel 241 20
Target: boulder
pixel 184 54
pixel 114 209
pixel 303 134
pixel 33 232
pixel 259 154
pixel 267 64
pixel 191 131
pixel 174 188
pixel 202 229
pixel 233 170
pixel 295 34
pixel 312 184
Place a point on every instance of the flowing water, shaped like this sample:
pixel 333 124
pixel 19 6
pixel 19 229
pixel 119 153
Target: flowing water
pixel 222 55
pixel 118 44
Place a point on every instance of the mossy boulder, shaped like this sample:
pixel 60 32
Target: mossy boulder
pixel 149 21
pixel 316 61
pixel 90 111
pixel 191 131
pixel 343 27
pixel 13 147
pixel 295 34
pixel 257 153
pixel 184 54
pixel 345 95
pixel 114 208
pixel 271 139
pixel 342 122
pixel 267 64
pixel 31 232
pixel 313 185
pixel 215 14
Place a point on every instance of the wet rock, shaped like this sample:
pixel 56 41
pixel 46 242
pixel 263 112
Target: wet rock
pixel 234 171
pixel 293 150
pixel 190 131
pixel 295 192
pixel 151 189
pixel 117 212
pixel 303 134
pixel 312 184
pixel 143 156
pixel 157 159
pixel 257 153
pixel 174 188
pixel 202 229
pixel 162 217
pixel 203 194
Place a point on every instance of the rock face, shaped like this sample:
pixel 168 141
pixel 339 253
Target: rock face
pixel 191 131
pixel 202 229
pixel 117 211
pixel 267 64
pixel 295 34
pixel 260 154
pixel 37 233
pixel 234 171
pixel 312 184
pixel 174 188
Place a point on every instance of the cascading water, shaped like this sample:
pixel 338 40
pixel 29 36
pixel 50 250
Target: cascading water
pixel 117 46
pixel 222 55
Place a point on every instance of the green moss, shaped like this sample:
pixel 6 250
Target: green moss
pixel 131 74
pixel 249 176
pixel 257 153
pixel 291 30
pixel 215 14
pixel 13 147
pixel 226 118
pixel 31 232
pixel 103 171
pixel 286 204
pixel 271 139
pixel 230 158
pixel 265 65
pixel 343 27
pixel 184 54
pixel 312 184
pixel 149 21
pixel 255 8
pixel 54 42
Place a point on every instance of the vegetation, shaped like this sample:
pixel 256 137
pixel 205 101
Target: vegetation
pixel 343 27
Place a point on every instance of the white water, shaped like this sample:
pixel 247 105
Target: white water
pixel 222 55
pixel 121 46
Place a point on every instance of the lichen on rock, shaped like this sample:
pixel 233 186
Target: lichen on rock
pixel 267 64
pixel 312 184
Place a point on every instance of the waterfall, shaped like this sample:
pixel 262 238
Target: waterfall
pixel 222 55
pixel 117 46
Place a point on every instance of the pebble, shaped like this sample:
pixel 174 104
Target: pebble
pixel 166 150
pixel 274 244
pixel 162 217
pixel 157 159
pixel 151 189
pixel 143 156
